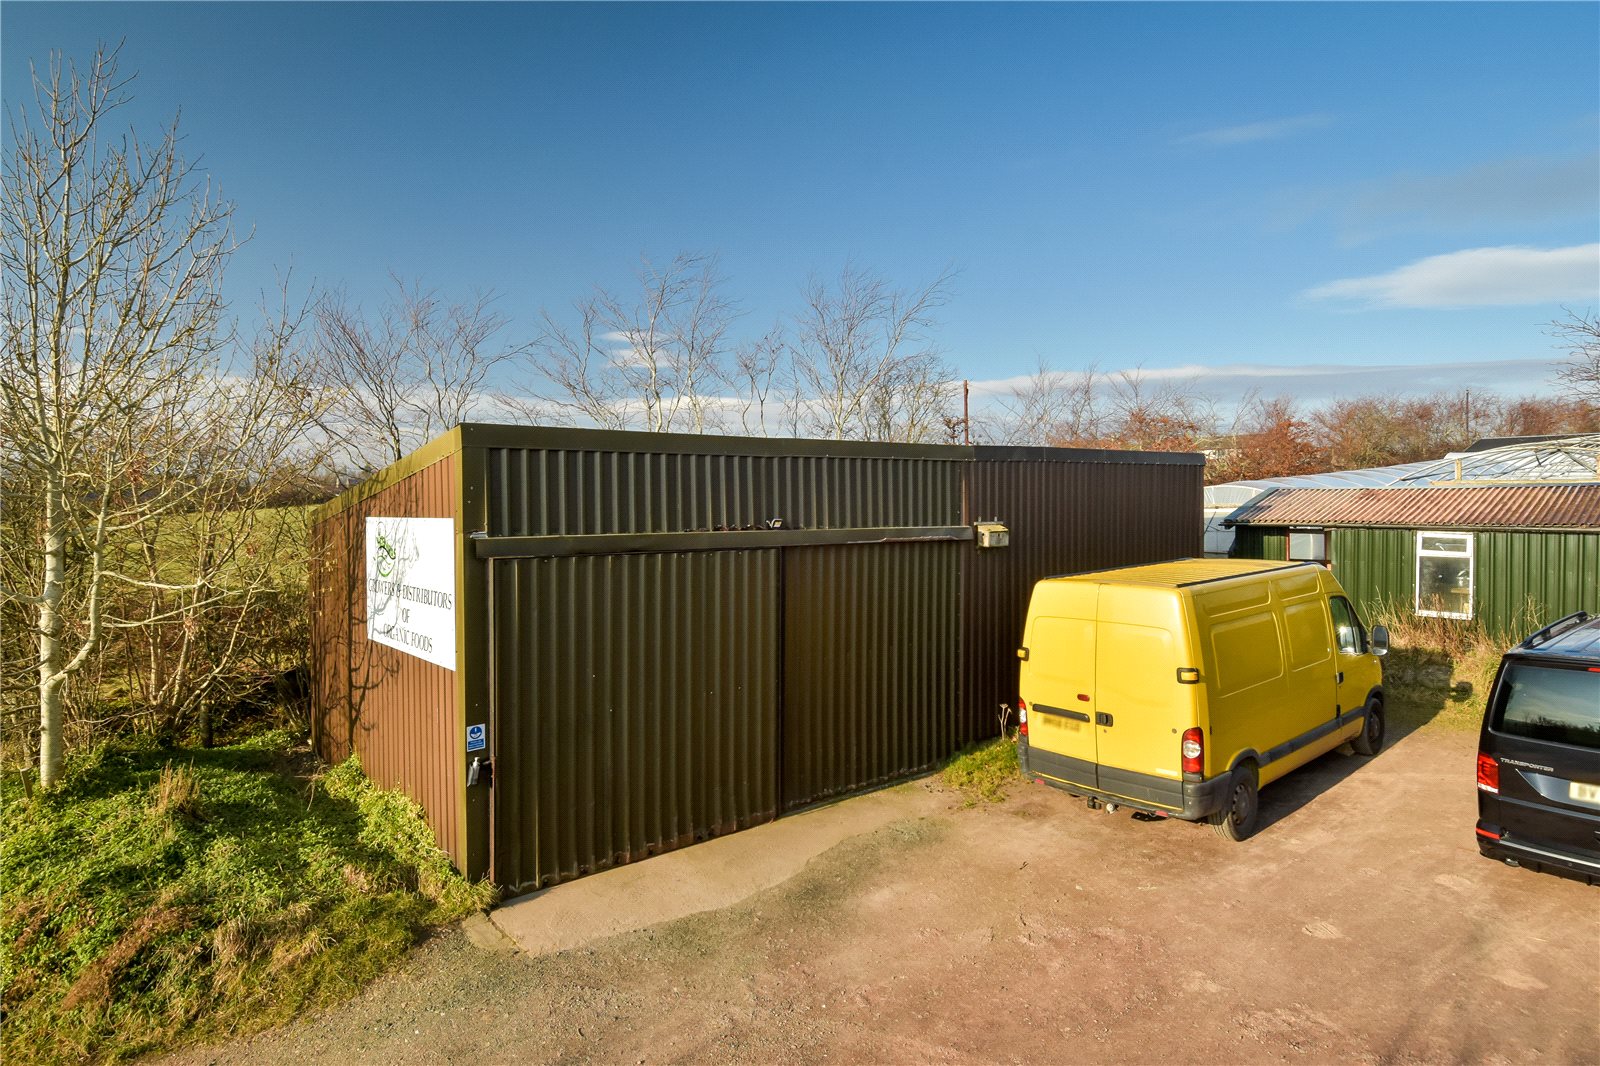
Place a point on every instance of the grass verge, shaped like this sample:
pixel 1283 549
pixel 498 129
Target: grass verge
pixel 985 771
pixel 164 896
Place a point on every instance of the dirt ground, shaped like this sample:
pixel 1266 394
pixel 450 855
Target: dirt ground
pixel 1359 925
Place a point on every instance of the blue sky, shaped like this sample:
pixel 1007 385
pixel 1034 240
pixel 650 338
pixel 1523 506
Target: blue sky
pixel 1290 191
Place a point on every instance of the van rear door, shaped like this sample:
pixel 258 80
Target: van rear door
pixel 1545 722
pixel 1141 711
pixel 1058 682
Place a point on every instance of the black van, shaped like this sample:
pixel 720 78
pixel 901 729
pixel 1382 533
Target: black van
pixel 1539 753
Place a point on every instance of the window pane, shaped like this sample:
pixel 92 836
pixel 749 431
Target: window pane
pixel 1312 546
pixel 1345 628
pixel 1433 542
pixel 1444 585
pixel 1550 703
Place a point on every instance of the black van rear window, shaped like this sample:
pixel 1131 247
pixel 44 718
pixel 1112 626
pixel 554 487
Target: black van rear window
pixel 1550 703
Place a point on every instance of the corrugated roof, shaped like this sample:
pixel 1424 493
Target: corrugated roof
pixel 1480 507
pixel 1530 460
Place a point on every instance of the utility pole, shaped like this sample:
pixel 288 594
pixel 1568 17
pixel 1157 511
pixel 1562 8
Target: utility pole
pixel 966 411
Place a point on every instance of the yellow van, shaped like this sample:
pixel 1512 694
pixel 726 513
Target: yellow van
pixel 1179 689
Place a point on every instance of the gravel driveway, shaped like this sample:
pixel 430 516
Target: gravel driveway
pixel 1359 925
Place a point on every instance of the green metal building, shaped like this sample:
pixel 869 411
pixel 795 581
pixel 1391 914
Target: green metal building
pixel 1508 556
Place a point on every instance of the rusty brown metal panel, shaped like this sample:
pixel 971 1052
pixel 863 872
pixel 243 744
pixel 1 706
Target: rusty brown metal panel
pixel 397 711
pixel 635 706
pixel 578 492
pixel 1067 511
pixel 1565 507
pixel 871 664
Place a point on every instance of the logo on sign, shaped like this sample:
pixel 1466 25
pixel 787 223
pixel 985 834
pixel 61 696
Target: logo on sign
pixel 477 737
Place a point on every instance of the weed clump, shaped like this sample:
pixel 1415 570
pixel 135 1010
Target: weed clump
pixel 984 771
pixel 153 900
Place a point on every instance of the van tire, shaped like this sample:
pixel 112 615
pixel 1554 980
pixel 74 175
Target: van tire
pixel 1237 820
pixel 1370 740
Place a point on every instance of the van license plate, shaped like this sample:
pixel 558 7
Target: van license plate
pixel 1583 793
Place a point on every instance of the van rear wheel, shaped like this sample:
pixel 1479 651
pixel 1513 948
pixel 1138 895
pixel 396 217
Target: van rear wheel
pixel 1370 740
pixel 1237 820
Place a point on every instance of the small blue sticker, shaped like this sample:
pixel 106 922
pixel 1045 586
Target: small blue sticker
pixel 477 737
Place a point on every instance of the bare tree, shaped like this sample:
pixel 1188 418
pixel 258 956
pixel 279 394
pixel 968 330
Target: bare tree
pixel 210 576
pixel 1158 415
pixel 1052 406
pixel 116 406
pixel 422 366
pixel 1579 335
pixel 864 362
pixel 653 362
pixel 755 380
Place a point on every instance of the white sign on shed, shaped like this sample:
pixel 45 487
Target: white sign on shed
pixel 411 586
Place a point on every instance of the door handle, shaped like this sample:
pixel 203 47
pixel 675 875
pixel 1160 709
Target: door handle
pixel 1102 718
pixel 1338 679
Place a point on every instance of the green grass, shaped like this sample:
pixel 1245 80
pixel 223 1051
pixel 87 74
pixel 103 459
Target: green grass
pixel 985 771
pixel 163 896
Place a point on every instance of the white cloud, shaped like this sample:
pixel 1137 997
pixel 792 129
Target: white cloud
pixel 1477 277
pixel 1255 131
pixel 1316 384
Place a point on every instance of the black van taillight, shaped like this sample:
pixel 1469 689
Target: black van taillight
pixel 1194 751
pixel 1022 717
pixel 1488 773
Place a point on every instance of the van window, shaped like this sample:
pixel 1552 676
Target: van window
pixel 1549 703
pixel 1346 628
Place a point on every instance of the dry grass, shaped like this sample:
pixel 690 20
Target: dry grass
pixel 177 794
pixel 1439 670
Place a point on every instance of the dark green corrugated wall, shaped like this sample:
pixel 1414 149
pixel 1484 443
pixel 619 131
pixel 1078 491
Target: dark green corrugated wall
pixel 1376 566
pixel 1260 542
pixel 1521 579
pixel 1525 580
pixel 871 654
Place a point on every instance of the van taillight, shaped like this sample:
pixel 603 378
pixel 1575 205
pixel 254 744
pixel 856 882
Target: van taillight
pixel 1488 773
pixel 1022 717
pixel 1194 751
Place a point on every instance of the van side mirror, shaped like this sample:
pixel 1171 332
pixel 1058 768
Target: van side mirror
pixel 1380 640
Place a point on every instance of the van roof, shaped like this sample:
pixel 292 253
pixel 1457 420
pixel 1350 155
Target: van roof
pixel 1575 638
pixel 1180 572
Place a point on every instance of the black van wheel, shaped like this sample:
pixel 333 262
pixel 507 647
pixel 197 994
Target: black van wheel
pixel 1237 820
pixel 1370 740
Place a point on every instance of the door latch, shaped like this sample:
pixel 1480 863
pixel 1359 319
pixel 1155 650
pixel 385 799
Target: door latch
pixel 1102 718
pixel 481 769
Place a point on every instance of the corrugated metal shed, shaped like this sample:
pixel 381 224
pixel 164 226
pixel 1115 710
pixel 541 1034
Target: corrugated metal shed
pixel 661 637
pixel 399 713
pixel 1526 507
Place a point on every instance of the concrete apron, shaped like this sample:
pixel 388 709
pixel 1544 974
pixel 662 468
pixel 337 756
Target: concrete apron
pixel 703 877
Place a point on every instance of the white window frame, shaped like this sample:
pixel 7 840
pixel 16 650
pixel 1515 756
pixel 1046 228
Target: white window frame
pixel 1438 553
pixel 1306 531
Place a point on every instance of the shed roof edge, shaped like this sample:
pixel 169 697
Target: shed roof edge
pixel 443 446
